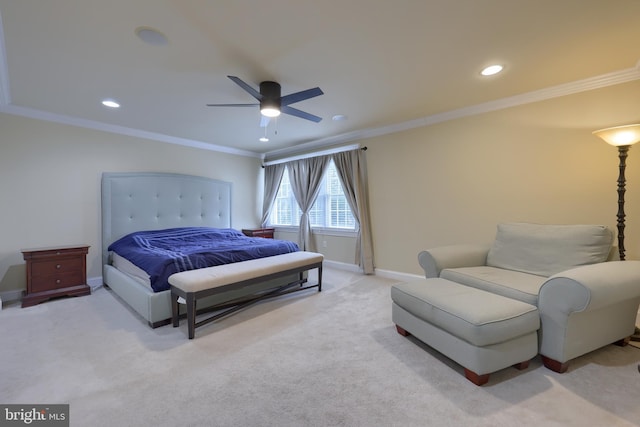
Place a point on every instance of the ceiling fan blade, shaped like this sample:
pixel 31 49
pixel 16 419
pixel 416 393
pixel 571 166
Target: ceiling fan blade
pixel 232 105
pixel 301 96
pixel 303 115
pixel 246 87
pixel 264 121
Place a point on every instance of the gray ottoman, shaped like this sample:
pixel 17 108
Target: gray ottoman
pixel 481 331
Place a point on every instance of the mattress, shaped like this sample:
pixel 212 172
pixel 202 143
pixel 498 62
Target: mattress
pixel 130 269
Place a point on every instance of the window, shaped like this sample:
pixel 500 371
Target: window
pixel 330 210
pixel 285 209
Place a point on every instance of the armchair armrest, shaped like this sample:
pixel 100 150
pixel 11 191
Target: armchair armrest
pixel 587 307
pixel 590 287
pixel 436 259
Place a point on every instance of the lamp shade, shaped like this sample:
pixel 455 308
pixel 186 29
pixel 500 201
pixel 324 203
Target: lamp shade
pixel 620 135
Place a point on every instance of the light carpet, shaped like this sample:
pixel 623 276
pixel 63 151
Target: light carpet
pixel 331 358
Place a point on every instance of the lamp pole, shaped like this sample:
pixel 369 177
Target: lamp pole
pixel 623 151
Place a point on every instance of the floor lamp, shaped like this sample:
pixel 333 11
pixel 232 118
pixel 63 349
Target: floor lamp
pixel 622 137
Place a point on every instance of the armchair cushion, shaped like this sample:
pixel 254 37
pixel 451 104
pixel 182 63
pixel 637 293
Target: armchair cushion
pixel 545 250
pixel 508 283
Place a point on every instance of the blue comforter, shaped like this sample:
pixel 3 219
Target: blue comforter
pixel 163 252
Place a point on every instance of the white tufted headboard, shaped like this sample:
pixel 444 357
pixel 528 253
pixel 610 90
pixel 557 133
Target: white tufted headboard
pixel 150 201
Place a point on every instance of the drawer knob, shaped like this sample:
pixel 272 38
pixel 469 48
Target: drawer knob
pixel 58 281
pixel 58 266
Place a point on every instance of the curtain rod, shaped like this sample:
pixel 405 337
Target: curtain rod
pixel 315 154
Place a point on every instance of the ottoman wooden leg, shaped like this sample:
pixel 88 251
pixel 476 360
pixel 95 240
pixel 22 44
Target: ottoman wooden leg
pixel 402 332
pixel 475 378
pixel 623 342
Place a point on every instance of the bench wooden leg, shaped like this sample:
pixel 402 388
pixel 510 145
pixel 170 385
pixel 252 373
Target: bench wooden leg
pixel 174 310
pixel 191 315
pixel 475 378
pixel 320 278
pixel 522 365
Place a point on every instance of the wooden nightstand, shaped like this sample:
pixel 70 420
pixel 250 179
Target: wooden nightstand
pixel 54 272
pixel 267 233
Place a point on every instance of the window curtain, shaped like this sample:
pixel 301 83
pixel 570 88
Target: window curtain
pixel 272 177
pixel 305 176
pixel 352 169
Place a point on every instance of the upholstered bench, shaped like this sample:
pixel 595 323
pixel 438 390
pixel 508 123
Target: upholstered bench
pixel 194 284
pixel 479 330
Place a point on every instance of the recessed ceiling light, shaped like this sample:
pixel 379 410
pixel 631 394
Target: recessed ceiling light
pixel 110 103
pixel 264 139
pixel 491 70
pixel 151 36
pixel 339 118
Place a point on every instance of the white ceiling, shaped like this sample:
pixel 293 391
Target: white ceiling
pixel 384 64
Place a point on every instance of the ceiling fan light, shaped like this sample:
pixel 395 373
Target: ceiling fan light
pixel 268 111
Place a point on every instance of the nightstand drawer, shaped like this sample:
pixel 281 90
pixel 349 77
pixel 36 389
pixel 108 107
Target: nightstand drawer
pixel 57 266
pixel 56 281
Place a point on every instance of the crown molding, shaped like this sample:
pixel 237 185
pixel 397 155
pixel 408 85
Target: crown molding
pixel 122 130
pixel 591 83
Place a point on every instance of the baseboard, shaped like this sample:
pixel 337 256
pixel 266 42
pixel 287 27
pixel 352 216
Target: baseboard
pixel 389 274
pixel 397 275
pixel 342 266
pixel 95 282
pixel 11 296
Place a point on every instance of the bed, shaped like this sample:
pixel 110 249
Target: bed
pixel 134 202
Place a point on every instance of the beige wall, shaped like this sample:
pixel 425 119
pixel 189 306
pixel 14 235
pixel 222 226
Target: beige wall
pixel 334 247
pixel 452 182
pixel 50 185
pixel 446 183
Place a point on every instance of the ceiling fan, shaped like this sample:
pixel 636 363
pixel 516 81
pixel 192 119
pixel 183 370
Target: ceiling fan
pixel 272 103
